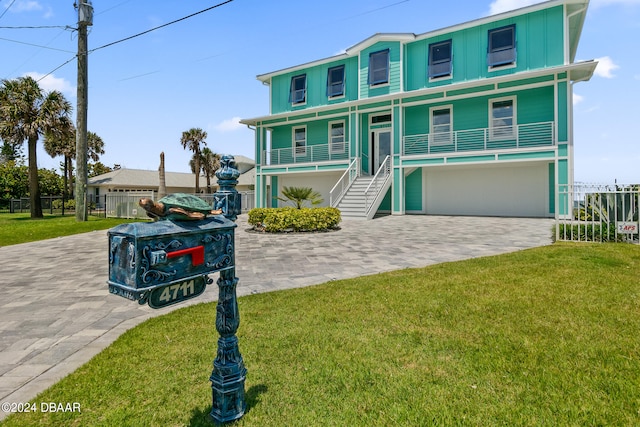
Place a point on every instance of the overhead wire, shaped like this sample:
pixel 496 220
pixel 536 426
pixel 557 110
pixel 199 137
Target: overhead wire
pixel 140 34
pixel 7 9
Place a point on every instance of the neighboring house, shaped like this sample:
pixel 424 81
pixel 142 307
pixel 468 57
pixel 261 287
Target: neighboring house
pixel 473 119
pixel 135 180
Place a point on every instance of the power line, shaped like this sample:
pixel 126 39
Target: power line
pixel 131 37
pixel 36 45
pixel 8 7
pixel 161 26
pixel 64 27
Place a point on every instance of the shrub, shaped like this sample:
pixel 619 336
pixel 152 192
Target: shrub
pixel 590 232
pixel 290 219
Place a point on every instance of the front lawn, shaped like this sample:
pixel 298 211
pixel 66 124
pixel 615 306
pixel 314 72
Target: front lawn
pixel 20 228
pixel 546 336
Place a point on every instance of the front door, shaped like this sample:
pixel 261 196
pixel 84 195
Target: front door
pixel 381 147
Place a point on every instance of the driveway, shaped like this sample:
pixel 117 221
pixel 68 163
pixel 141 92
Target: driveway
pixel 56 312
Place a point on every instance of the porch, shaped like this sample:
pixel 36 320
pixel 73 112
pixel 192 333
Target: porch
pixel 484 139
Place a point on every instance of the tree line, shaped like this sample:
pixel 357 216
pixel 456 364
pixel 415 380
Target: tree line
pixel 29 114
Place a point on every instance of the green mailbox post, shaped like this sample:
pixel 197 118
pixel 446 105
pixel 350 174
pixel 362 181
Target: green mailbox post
pixel 169 261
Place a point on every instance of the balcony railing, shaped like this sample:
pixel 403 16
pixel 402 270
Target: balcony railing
pixel 307 154
pixel 497 138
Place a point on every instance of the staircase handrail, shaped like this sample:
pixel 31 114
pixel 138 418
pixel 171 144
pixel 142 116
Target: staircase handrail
pixel 378 181
pixel 351 173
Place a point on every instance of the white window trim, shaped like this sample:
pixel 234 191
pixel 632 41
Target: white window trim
pixel 344 137
pixel 303 151
pixel 431 130
pixel 515 42
pixel 514 123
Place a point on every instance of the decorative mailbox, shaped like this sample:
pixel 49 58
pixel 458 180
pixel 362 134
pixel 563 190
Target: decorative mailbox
pixel 168 261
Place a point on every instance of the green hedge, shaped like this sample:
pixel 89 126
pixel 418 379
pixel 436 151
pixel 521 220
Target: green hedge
pixel 592 232
pixel 292 219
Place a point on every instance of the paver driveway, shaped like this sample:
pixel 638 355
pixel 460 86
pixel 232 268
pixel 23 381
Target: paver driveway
pixel 56 311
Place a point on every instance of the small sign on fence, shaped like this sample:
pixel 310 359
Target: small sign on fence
pixel 627 227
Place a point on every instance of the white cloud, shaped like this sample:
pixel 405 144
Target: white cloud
pixel 229 125
pixel 577 99
pixel 605 67
pixel 26 6
pixel 51 82
pixel 499 6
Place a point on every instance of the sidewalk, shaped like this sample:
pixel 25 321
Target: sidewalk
pixel 56 312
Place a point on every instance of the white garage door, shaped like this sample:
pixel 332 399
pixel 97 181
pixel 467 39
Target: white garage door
pixel 517 189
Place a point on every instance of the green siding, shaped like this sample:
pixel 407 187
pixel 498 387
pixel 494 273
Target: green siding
pixel 367 91
pixel 533 106
pixel 527 156
pixel 469 90
pixel 316 86
pixel 317 132
pixel 522 82
pixel 563 115
pixel 385 205
pixel 539 44
pixel 274 191
pixel 413 191
pixel 466 159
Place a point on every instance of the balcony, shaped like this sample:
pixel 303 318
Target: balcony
pixel 307 154
pixel 498 138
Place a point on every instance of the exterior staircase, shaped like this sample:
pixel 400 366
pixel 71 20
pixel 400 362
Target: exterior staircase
pixel 352 204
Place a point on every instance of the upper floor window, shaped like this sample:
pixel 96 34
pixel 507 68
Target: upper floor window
pixel 441 126
pixel 379 67
pixel 300 140
pixel 336 137
pixel 502 46
pixel 502 119
pixel 335 81
pixel 298 93
pixel 440 59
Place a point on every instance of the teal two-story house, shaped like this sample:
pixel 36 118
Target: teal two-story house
pixel 473 119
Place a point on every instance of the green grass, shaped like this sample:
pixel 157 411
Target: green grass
pixel 20 228
pixel 546 336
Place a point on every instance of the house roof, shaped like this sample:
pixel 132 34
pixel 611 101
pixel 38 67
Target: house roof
pixel 132 178
pixel 576 9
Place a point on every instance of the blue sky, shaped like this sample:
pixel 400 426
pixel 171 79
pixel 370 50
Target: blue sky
pixel 200 72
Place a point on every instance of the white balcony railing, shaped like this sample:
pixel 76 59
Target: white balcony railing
pixel 306 154
pixel 497 138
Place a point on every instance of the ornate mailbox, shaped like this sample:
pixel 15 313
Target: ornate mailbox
pixel 169 261
pixel 166 262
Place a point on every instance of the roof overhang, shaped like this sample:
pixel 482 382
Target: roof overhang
pixel 575 9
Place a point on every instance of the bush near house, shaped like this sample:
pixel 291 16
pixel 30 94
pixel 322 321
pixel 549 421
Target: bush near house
pixel 287 219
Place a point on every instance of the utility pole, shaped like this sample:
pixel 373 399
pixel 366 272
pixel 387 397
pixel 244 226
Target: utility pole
pixel 85 18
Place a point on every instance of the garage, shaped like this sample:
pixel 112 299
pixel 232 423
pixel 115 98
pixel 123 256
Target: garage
pixel 514 190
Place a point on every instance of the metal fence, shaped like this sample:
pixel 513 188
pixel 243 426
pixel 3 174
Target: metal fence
pixel 125 205
pixel 598 213
pixel 50 204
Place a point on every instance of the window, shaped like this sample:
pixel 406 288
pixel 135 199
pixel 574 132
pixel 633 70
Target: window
pixel 441 126
pixel 298 93
pixel 300 140
pixel 335 81
pixel 502 120
pixel 502 46
pixel 379 67
pixel 440 59
pixel 336 137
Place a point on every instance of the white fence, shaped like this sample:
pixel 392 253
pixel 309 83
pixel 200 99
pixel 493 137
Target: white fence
pixel 125 205
pixel 598 213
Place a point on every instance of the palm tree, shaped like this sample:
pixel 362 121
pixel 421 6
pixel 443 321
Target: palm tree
pixel 210 164
pixel 63 143
pixel 299 195
pixel 26 112
pixel 192 140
